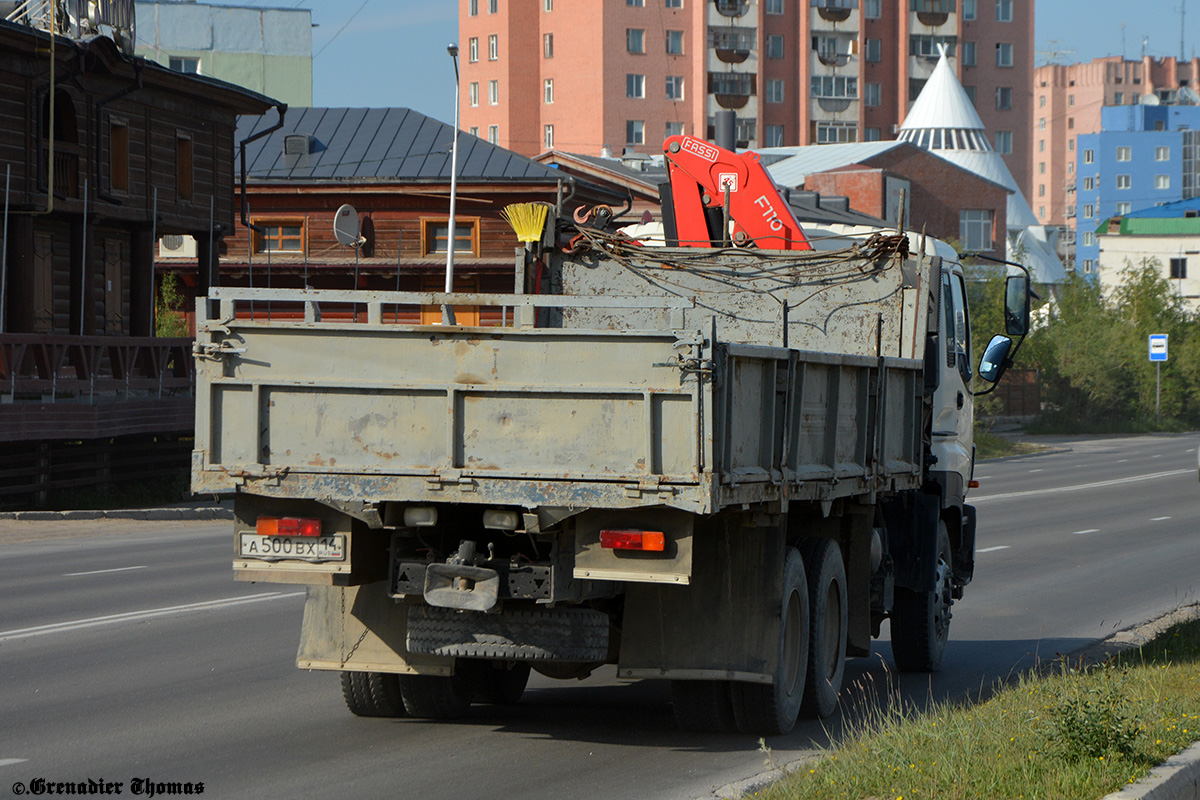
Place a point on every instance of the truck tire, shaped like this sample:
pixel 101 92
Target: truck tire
pixel 499 682
pixel 921 620
pixel 830 622
pixel 372 694
pixel 437 696
pixel 703 706
pixel 772 709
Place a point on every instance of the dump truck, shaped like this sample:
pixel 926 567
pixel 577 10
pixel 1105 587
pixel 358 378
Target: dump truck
pixel 722 466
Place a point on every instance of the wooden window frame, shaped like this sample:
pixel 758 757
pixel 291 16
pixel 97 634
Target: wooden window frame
pixel 185 167
pixel 259 238
pixel 429 226
pixel 118 157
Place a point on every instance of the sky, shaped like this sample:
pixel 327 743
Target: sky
pixel 383 53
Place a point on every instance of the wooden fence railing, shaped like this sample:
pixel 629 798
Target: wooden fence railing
pixel 47 367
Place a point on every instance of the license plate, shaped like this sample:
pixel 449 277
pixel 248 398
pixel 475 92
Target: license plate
pixel 302 548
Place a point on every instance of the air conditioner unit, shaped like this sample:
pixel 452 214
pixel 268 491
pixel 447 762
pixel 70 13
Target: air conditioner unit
pixel 173 245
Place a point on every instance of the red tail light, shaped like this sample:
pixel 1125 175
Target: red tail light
pixel 288 526
pixel 652 541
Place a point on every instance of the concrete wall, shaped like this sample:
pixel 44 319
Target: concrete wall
pixel 1115 250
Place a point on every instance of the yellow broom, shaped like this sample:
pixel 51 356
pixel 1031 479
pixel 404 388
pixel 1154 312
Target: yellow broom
pixel 528 220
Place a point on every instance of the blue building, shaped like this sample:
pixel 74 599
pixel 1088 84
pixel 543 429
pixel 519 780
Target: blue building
pixel 1143 156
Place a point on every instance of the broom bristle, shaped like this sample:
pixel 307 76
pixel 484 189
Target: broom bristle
pixel 527 220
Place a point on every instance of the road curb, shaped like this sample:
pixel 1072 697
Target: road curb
pixel 139 514
pixel 1177 778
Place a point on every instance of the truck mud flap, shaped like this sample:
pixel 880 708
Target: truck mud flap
pixel 912 528
pixel 523 634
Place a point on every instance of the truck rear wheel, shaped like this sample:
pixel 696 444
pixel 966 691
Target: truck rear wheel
pixel 827 636
pixel 372 694
pixel 499 682
pixel 703 705
pixel 772 709
pixel 438 696
pixel 921 620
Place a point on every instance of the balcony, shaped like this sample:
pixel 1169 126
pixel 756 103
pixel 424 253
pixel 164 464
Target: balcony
pixel 732 8
pixel 831 57
pixel 834 10
pixel 732 90
pixel 732 45
pixel 933 13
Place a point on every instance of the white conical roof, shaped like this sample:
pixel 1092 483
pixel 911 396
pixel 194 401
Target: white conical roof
pixel 943 103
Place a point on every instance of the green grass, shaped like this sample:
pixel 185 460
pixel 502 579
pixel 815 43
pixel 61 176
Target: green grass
pixel 989 445
pixel 1073 734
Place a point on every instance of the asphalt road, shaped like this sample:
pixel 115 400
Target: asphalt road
pixel 127 652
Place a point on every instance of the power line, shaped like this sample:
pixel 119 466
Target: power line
pixel 339 32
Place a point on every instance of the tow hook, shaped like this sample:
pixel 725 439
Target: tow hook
pixel 461 585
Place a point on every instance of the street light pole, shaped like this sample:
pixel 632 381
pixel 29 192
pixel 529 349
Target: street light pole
pixel 451 239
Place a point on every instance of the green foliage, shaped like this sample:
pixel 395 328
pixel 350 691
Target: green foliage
pixel 1091 353
pixel 1092 720
pixel 169 319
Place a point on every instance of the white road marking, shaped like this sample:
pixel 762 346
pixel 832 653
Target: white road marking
pixel 8 762
pixel 1157 455
pixel 1122 460
pixel 993 549
pixel 1089 530
pixel 1080 487
pixel 94 622
pixel 1036 470
pixel 100 571
pixel 1160 519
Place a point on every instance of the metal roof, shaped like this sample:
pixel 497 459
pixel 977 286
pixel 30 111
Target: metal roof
pixel 942 103
pixel 378 144
pixel 788 166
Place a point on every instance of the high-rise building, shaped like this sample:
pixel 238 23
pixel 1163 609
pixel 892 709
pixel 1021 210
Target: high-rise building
pixel 584 75
pixel 1067 101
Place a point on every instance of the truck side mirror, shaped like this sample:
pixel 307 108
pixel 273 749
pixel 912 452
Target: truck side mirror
pixel 995 358
pixel 1016 305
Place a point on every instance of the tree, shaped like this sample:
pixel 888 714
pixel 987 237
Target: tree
pixel 169 319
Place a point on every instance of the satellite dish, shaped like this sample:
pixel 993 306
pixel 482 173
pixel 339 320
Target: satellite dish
pixel 1187 97
pixel 345 226
pixel 1149 100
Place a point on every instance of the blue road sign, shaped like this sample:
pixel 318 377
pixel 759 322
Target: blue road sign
pixel 1158 347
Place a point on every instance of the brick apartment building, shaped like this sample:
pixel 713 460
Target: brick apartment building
pixel 1067 100
pixel 584 75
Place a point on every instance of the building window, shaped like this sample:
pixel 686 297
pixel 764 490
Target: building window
pixel 278 236
pixel 775 46
pixel 872 94
pixel 1071 145
pixel 473 8
pixel 473 49
pixel 1042 101
pixel 638 3
pixel 915 85
pixel 1162 154
pixel 834 86
pixel 1179 268
pixel 1041 190
pixel 1087 262
pixel 548 5
pixel 674 129
pixel 774 91
pixel 1004 98
pixel 635 85
pixel 675 43
pixel 1042 212
pixel 493 6
pixel 774 6
pixel 1003 10
pixel 674 87
pixel 674 3
pixel 635 131
pixel 1124 181
pixel 548 45
pixel 1070 167
pixel 1089 156
pixel 1089 238
pixel 1041 167
pixel 435 236
pixel 494 92
pixel 1041 145
pixel 873 50
pixel 968 54
pixel 473 93
pixel 836 132
pixel 1162 181
pixel 1070 99
pixel 1118 98
pixel 1124 208
pixel 189 65
pixel 1124 154
pixel 774 136
pixel 118 156
pixel 635 40
pixel 494 134
pixel 474 130
pixel 872 9
pixel 1070 123
pixel 183 167
pixel 970 90
pixel 1089 211
pixel 1089 184
pixel 924 45
pixel 968 9
pixel 548 136
pixel 871 135
pixel 548 91
pixel 975 228
pixel 1004 54
pixel 493 47
pixel 1004 142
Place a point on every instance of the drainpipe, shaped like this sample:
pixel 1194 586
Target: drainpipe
pixel 281 109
